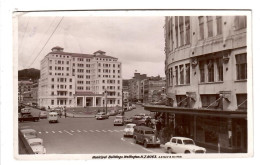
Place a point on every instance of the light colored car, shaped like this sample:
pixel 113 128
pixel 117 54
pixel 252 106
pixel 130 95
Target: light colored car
pixel 102 115
pixel 29 133
pixel 37 145
pixel 53 117
pixel 129 130
pixel 133 106
pixel 119 120
pixel 43 115
pixel 183 145
pixel 26 110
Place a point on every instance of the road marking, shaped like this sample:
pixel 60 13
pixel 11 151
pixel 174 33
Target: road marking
pixel 60 132
pixel 91 130
pixel 68 132
pixel 97 131
pixel 71 131
pixel 85 131
pixel 116 130
pixel 52 131
pixel 109 130
pixel 123 139
pixel 46 132
pixel 104 131
pixel 78 130
pixel 40 132
pixel 132 143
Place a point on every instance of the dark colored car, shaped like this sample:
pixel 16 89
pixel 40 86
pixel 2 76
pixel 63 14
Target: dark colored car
pixel 146 136
pixel 28 117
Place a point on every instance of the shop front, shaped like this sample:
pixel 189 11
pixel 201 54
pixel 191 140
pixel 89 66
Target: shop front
pixel 225 131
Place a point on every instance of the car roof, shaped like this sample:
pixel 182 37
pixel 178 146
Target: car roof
pixel 34 140
pixel 28 130
pixel 144 128
pixel 53 113
pixel 131 124
pixel 182 138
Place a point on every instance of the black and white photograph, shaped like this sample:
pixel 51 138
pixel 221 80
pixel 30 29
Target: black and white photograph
pixel 126 85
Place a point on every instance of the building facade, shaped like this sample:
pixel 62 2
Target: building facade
pixel 135 87
pixel 79 80
pixel 153 89
pixel 25 91
pixel 206 74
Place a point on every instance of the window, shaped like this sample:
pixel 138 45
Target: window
pixel 240 22
pixel 187 27
pixel 176 31
pixel 52 93
pixel 70 86
pixel 187 68
pixel 241 66
pixel 182 101
pixel 173 140
pixel 70 80
pixel 211 101
pixel 170 36
pixel 52 86
pixel 176 75
pixel 242 101
pixel 179 141
pixel 219 25
pixel 202 71
pixel 181 30
pixel 52 102
pixel 210 26
pixel 201 25
pixel 219 62
pixel 50 67
pixel 181 74
pixel 210 65
pixel 68 62
pixel 52 79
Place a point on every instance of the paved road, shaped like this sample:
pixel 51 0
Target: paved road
pixel 87 136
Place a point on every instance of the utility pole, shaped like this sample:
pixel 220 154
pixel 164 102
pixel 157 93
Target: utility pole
pixel 122 101
pixel 106 99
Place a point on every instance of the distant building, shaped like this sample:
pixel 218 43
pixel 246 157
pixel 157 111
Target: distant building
pixel 153 89
pixel 126 90
pixel 80 80
pixel 206 77
pixel 135 88
pixel 24 91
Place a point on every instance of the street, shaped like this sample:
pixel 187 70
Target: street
pixel 87 136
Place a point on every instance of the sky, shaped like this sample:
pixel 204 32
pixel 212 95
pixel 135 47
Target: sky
pixel 137 41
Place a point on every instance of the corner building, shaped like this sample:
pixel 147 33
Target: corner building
pixel 206 72
pixel 79 80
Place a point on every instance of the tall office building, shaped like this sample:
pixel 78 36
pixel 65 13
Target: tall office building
pixel 79 80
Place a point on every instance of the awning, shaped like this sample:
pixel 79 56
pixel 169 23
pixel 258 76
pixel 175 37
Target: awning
pixel 196 112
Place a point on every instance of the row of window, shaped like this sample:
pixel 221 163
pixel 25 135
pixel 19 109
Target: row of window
pixel 61 93
pixel 108 76
pixel 82 88
pixel 108 71
pixel 61 102
pixel 210 70
pixel 61 86
pixel 183 33
pixel 108 65
pixel 211 101
pixel 61 79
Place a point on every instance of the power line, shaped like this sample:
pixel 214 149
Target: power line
pixel 46 42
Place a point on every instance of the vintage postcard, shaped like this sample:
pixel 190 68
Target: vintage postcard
pixel 157 84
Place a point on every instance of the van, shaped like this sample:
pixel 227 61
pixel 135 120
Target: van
pixel 145 136
pixel 53 117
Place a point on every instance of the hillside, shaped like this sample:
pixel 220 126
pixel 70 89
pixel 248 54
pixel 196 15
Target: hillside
pixel 27 74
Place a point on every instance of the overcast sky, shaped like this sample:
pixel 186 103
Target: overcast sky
pixel 138 42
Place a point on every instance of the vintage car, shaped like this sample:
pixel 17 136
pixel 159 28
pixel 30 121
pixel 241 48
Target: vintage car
pixel 102 115
pixel 146 136
pixel 119 120
pixel 183 145
pixel 53 117
pixel 133 106
pixel 128 120
pixel 43 115
pixel 129 130
pixel 113 113
pixel 37 145
pixel 28 133
pixel 28 117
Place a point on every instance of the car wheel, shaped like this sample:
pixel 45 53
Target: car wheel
pixel 187 152
pixel 169 150
pixel 145 144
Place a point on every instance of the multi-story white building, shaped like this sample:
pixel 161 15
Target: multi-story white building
pixel 79 80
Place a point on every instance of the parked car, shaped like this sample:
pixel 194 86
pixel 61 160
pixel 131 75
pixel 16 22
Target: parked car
pixel 145 136
pixel 29 133
pixel 28 117
pixel 53 117
pixel 129 130
pixel 26 110
pixel 119 120
pixel 102 115
pixel 37 145
pixel 128 120
pixel 113 113
pixel 183 145
pixel 133 106
pixel 43 115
